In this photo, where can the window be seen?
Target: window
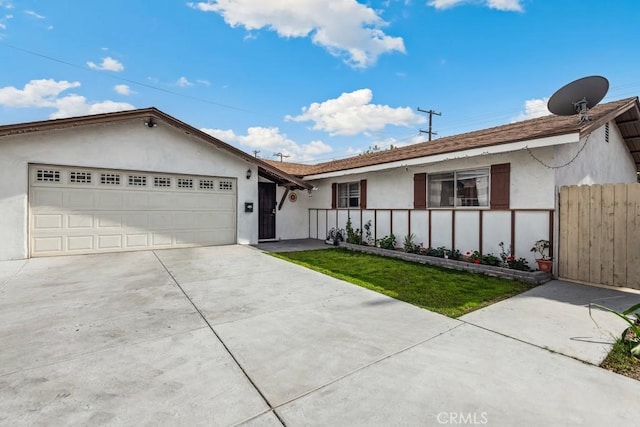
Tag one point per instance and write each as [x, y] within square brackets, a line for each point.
[161, 181]
[48, 175]
[225, 185]
[137, 180]
[110, 179]
[207, 184]
[349, 195]
[459, 189]
[185, 183]
[80, 177]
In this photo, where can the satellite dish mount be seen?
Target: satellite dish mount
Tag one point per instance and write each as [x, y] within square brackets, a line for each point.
[578, 97]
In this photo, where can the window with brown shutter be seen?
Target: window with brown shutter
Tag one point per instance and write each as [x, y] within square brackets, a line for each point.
[363, 194]
[420, 191]
[334, 195]
[500, 186]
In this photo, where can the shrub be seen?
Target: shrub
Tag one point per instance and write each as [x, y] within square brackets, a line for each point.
[519, 264]
[491, 259]
[409, 245]
[388, 242]
[353, 236]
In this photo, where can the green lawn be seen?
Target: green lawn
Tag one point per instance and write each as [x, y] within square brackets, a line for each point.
[452, 293]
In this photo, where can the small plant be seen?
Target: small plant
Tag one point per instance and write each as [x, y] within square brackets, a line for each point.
[353, 236]
[541, 247]
[519, 264]
[491, 259]
[388, 242]
[475, 257]
[631, 335]
[409, 245]
[455, 255]
[505, 255]
[368, 240]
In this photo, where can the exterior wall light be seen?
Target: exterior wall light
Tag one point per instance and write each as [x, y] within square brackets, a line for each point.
[248, 173]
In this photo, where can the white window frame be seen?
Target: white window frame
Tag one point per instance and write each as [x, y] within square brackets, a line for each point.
[457, 200]
[348, 191]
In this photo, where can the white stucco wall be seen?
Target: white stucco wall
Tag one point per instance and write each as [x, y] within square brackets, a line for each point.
[600, 162]
[292, 221]
[122, 145]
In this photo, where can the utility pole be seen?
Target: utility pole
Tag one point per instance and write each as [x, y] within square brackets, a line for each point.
[280, 155]
[255, 153]
[430, 113]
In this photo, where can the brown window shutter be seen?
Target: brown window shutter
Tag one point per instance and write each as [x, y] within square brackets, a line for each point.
[363, 194]
[334, 195]
[500, 185]
[420, 191]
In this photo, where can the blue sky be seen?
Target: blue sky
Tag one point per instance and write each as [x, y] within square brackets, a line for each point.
[314, 79]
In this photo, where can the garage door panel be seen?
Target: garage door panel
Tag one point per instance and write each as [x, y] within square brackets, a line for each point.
[79, 199]
[80, 243]
[48, 198]
[109, 200]
[113, 241]
[84, 210]
[46, 244]
[137, 240]
[76, 221]
[47, 221]
[109, 220]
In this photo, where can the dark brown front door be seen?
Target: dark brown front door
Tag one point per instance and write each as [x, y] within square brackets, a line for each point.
[267, 210]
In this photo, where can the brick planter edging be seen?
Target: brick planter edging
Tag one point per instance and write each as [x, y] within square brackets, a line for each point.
[534, 277]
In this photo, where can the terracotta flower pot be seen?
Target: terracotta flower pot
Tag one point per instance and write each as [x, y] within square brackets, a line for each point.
[545, 265]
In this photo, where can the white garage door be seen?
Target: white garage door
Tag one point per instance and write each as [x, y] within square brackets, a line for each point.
[80, 210]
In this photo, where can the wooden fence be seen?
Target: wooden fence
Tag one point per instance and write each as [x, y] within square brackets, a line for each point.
[599, 238]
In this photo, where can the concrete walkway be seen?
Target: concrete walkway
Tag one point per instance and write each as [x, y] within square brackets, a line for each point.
[230, 336]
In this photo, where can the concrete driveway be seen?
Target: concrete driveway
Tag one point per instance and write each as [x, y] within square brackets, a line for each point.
[230, 335]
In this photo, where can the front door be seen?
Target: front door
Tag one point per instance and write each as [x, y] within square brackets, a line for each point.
[267, 210]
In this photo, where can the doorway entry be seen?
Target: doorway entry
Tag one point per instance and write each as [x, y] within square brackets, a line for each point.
[266, 210]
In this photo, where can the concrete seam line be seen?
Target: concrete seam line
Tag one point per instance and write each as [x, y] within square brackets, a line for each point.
[13, 276]
[375, 362]
[528, 343]
[227, 349]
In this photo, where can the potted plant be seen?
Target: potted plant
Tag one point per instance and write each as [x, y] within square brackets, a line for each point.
[541, 247]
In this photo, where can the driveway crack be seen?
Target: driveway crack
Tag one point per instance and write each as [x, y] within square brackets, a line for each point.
[227, 349]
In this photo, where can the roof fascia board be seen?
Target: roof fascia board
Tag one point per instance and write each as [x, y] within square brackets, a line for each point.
[609, 117]
[481, 151]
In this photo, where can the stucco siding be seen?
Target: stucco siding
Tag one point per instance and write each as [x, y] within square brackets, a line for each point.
[123, 145]
[600, 162]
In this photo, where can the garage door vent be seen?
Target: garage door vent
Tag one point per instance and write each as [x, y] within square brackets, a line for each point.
[80, 177]
[137, 180]
[226, 185]
[48, 175]
[159, 181]
[110, 178]
[207, 184]
[185, 183]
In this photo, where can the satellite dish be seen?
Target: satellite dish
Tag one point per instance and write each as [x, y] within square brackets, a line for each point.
[578, 97]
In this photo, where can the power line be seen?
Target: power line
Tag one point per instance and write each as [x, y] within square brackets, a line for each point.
[431, 113]
[122, 79]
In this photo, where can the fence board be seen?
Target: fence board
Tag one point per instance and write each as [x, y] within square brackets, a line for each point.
[584, 196]
[572, 229]
[563, 224]
[620, 236]
[606, 248]
[633, 236]
[595, 236]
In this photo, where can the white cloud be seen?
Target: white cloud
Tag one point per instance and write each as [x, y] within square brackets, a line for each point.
[108, 64]
[269, 140]
[122, 89]
[345, 28]
[33, 14]
[36, 93]
[45, 93]
[204, 82]
[353, 113]
[533, 108]
[505, 5]
[76, 105]
[183, 82]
